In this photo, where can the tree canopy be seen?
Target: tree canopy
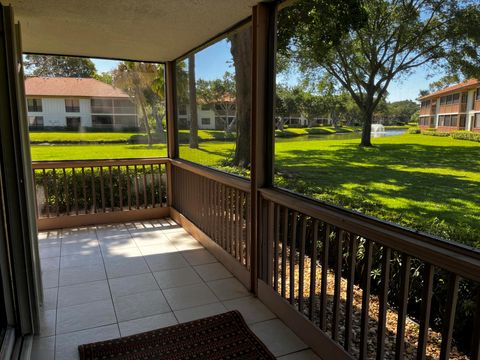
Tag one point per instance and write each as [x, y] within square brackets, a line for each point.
[60, 66]
[386, 40]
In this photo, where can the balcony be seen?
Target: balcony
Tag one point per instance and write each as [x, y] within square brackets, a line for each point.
[103, 282]
[200, 262]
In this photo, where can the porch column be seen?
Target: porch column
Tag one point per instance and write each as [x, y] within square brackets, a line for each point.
[262, 140]
[172, 144]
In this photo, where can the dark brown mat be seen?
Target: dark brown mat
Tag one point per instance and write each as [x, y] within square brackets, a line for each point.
[224, 336]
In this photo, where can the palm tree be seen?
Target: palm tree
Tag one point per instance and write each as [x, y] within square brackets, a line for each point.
[192, 92]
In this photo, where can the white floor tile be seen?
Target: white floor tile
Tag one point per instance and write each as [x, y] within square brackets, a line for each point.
[140, 305]
[50, 279]
[48, 264]
[81, 260]
[177, 277]
[126, 267]
[119, 253]
[86, 248]
[43, 348]
[227, 289]
[199, 312]
[166, 261]
[47, 322]
[147, 324]
[163, 248]
[49, 251]
[83, 293]
[50, 299]
[213, 271]
[81, 274]
[85, 316]
[189, 296]
[198, 257]
[133, 284]
[252, 309]
[67, 344]
[279, 339]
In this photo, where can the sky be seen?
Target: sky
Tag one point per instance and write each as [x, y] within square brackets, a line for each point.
[212, 62]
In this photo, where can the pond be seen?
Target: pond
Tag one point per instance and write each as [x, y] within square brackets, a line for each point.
[342, 136]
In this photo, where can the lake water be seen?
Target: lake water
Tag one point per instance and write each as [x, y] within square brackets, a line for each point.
[342, 136]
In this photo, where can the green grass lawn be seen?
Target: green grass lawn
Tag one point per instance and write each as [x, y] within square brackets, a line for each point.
[48, 136]
[425, 182]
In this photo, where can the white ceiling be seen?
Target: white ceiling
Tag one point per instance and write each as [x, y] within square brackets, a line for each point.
[149, 30]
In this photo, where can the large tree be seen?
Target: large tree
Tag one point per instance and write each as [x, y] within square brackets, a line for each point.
[387, 40]
[241, 46]
[192, 98]
[60, 66]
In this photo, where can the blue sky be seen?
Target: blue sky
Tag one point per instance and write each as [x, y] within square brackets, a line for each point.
[213, 61]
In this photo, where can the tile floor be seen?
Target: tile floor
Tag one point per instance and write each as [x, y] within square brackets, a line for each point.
[116, 280]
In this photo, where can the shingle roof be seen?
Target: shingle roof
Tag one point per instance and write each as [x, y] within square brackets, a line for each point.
[71, 87]
[466, 85]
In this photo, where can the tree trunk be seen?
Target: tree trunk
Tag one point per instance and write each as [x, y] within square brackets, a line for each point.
[367, 116]
[158, 122]
[145, 123]
[192, 97]
[241, 45]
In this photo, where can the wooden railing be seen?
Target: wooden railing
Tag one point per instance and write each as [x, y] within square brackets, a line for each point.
[218, 204]
[82, 192]
[338, 269]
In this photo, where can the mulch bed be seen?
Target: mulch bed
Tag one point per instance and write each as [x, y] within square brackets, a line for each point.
[224, 336]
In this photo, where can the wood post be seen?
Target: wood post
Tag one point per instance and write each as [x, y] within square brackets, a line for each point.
[263, 83]
[172, 143]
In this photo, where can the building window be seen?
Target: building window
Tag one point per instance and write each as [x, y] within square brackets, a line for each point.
[102, 121]
[182, 109]
[453, 120]
[102, 106]
[205, 107]
[464, 98]
[73, 123]
[205, 121]
[443, 100]
[478, 94]
[476, 123]
[449, 99]
[463, 121]
[455, 98]
[72, 105]
[34, 105]
[441, 120]
[124, 106]
[35, 122]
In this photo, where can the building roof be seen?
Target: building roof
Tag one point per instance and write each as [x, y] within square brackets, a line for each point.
[149, 30]
[70, 87]
[465, 85]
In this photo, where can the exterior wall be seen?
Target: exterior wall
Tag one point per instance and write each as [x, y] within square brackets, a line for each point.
[54, 112]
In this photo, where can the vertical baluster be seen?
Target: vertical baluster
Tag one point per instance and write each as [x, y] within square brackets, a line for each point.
[293, 253]
[284, 252]
[145, 198]
[475, 353]
[65, 190]
[94, 194]
[129, 188]
[137, 192]
[340, 234]
[238, 224]
[402, 309]
[160, 185]
[324, 278]
[313, 270]
[84, 186]
[102, 189]
[350, 282]
[35, 191]
[45, 187]
[425, 312]
[152, 187]
[120, 192]
[248, 223]
[227, 216]
[215, 217]
[301, 266]
[243, 211]
[75, 197]
[365, 318]
[55, 190]
[447, 332]
[112, 205]
[270, 241]
[383, 300]
[276, 242]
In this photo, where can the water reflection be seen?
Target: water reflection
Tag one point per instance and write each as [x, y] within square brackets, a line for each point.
[342, 136]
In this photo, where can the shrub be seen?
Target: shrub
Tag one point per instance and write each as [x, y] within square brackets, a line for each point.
[466, 135]
[434, 132]
[414, 130]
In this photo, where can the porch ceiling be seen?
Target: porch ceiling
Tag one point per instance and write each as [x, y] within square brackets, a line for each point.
[150, 30]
